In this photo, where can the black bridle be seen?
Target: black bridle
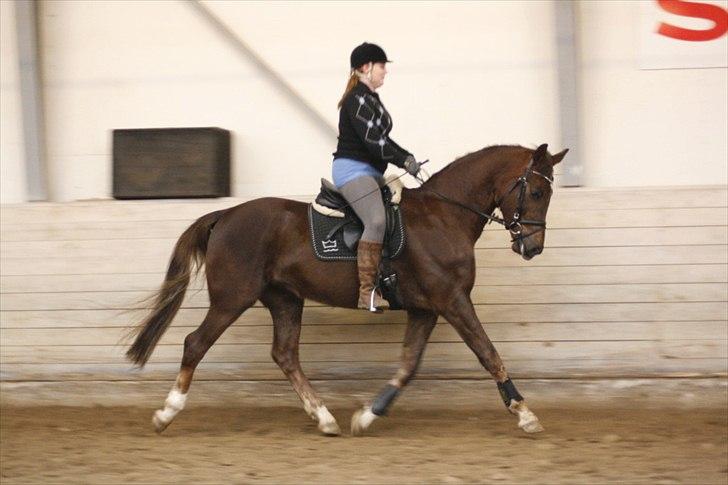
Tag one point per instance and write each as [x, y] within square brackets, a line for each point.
[515, 225]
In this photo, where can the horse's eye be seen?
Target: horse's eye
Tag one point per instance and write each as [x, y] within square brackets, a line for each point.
[536, 194]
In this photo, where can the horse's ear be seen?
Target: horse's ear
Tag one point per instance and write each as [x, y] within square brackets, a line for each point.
[559, 156]
[540, 152]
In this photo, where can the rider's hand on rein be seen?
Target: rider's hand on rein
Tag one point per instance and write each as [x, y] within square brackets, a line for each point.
[412, 166]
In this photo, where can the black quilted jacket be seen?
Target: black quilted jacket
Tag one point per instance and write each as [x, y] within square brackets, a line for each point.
[364, 126]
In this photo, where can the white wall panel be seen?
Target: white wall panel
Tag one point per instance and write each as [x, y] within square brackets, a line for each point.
[466, 75]
[12, 151]
[646, 127]
[483, 77]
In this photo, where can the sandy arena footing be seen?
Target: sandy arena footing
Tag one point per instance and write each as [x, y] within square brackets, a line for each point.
[439, 432]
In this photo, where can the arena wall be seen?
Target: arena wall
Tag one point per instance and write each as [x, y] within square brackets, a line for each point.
[465, 75]
[632, 283]
[634, 278]
[646, 126]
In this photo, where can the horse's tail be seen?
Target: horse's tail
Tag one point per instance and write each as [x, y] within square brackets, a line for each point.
[191, 245]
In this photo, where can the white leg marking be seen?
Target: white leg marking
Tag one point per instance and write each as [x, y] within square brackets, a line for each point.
[174, 403]
[527, 421]
[326, 422]
[310, 410]
[361, 420]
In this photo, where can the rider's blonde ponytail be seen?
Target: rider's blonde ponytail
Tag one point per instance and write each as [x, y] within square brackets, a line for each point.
[353, 81]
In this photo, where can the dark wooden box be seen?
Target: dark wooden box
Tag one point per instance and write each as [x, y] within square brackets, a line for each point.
[171, 163]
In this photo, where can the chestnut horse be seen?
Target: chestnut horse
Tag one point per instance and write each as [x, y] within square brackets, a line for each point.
[261, 250]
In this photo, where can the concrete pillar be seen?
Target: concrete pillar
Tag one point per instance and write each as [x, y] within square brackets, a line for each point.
[26, 18]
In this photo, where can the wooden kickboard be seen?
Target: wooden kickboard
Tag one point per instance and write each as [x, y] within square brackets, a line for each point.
[632, 282]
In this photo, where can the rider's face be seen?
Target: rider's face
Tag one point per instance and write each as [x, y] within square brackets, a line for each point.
[378, 72]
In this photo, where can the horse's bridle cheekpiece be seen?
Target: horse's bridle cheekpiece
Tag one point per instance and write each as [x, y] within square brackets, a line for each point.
[515, 227]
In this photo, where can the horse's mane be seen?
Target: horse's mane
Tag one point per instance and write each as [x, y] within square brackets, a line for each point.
[468, 158]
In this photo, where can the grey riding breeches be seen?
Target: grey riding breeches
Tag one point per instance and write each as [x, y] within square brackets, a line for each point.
[365, 198]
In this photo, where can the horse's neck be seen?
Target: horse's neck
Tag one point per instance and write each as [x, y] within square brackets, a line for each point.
[471, 183]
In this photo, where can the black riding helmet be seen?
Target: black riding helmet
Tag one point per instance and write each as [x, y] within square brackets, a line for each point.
[366, 53]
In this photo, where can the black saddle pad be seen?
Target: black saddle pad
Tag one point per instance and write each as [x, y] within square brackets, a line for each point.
[335, 248]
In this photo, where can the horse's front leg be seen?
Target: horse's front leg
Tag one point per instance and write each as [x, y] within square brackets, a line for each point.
[419, 328]
[461, 315]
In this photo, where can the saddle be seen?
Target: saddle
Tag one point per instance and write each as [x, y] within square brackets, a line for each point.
[336, 231]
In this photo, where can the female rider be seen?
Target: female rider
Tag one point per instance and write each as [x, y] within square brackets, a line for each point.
[363, 151]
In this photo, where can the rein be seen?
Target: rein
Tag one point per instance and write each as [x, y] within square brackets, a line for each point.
[515, 226]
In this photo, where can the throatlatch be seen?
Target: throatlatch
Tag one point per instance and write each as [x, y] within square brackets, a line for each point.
[508, 392]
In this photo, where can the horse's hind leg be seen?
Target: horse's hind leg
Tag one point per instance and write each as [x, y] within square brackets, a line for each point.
[196, 345]
[286, 310]
[419, 328]
[461, 315]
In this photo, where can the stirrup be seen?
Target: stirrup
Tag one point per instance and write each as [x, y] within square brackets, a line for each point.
[372, 308]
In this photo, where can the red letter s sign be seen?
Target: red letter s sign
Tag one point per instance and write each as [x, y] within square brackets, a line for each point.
[706, 11]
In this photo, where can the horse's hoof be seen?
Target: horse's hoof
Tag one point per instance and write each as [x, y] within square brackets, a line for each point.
[533, 426]
[158, 423]
[361, 420]
[330, 428]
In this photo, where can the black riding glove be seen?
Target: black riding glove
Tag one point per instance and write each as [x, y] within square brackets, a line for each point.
[412, 166]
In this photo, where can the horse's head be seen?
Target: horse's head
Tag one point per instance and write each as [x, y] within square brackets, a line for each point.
[524, 199]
